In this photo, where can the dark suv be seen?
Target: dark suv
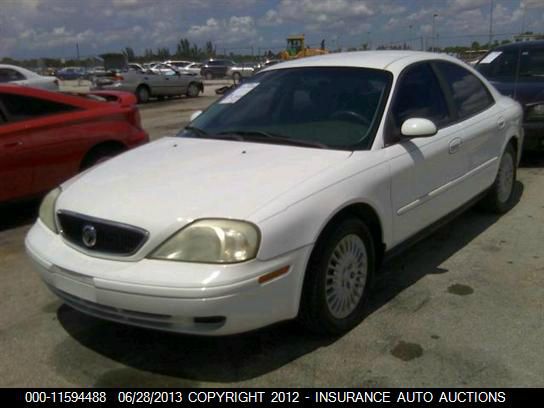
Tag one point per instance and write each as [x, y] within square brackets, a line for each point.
[216, 68]
[517, 70]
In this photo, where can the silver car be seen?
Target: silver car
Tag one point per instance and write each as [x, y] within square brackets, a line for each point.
[21, 76]
[242, 70]
[149, 84]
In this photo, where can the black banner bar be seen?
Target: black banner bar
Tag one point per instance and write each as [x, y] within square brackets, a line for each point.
[306, 396]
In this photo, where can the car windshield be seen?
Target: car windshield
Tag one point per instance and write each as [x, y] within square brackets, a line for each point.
[499, 65]
[331, 107]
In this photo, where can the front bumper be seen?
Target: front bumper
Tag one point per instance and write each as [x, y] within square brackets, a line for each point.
[166, 295]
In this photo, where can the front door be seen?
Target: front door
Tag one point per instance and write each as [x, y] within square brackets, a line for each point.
[422, 169]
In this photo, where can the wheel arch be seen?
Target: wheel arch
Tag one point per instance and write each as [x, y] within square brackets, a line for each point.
[104, 146]
[366, 213]
[143, 85]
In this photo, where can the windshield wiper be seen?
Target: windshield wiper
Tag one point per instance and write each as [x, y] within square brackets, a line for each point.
[272, 137]
[196, 130]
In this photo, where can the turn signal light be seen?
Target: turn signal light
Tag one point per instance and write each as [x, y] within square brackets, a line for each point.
[273, 275]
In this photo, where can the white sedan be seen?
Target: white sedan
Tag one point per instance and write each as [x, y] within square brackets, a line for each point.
[21, 76]
[281, 199]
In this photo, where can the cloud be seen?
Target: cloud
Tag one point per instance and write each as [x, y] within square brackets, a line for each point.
[464, 5]
[271, 18]
[225, 31]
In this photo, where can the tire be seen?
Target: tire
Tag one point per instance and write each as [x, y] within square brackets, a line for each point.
[98, 155]
[343, 249]
[208, 76]
[193, 90]
[143, 94]
[501, 197]
[236, 76]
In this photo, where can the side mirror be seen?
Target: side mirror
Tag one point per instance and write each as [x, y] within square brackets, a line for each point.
[418, 127]
[195, 115]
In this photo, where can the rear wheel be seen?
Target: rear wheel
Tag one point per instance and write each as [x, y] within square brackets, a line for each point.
[208, 76]
[236, 76]
[337, 278]
[193, 90]
[143, 94]
[500, 197]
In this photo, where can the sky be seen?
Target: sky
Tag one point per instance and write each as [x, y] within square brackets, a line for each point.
[51, 28]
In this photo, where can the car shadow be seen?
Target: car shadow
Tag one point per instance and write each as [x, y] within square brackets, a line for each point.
[18, 214]
[190, 360]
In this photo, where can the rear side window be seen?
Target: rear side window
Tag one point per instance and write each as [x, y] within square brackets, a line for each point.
[532, 64]
[20, 107]
[469, 94]
[9, 75]
[419, 96]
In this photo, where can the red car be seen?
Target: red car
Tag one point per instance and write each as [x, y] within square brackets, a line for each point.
[47, 137]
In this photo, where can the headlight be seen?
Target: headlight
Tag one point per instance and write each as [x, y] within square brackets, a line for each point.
[212, 241]
[47, 209]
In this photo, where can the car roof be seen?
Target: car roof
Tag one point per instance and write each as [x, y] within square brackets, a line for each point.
[393, 61]
[516, 45]
[17, 68]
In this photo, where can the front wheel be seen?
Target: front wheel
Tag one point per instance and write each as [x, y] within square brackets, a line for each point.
[193, 90]
[143, 94]
[500, 197]
[337, 278]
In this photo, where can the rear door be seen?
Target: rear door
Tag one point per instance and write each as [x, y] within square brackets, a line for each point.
[530, 87]
[422, 169]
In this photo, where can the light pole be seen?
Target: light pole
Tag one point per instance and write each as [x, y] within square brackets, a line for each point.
[490, 23]
[434, 31]
[369, 42]
[410, 37]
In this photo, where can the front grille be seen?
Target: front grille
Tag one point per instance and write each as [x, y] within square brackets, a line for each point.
[110, 237]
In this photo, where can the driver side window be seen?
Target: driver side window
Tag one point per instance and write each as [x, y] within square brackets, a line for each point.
[418, 95]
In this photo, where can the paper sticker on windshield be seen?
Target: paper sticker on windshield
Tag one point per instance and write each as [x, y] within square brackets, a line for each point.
[239, 92]
[490, 57]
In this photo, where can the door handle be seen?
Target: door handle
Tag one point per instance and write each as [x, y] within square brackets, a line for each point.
[455, 144]
[501, 122]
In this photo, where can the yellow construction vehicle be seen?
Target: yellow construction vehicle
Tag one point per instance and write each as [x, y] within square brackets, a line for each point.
[297, 49]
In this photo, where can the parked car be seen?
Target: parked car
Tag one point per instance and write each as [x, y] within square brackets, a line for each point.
[216, 68]
[242, 70]
[150, 84]
[47, 137]
[21, 76]
[162, 68]
[179, 65]
[281, 199]
[136, 67]
[92, 72]
[193, 68]
[71, 73]
[517, 70]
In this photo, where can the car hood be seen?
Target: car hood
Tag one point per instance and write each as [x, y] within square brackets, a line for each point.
[167, 184]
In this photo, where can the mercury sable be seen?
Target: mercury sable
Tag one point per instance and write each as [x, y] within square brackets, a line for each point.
[281, 199]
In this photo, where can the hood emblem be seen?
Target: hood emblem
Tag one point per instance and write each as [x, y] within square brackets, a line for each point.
[88, 236]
